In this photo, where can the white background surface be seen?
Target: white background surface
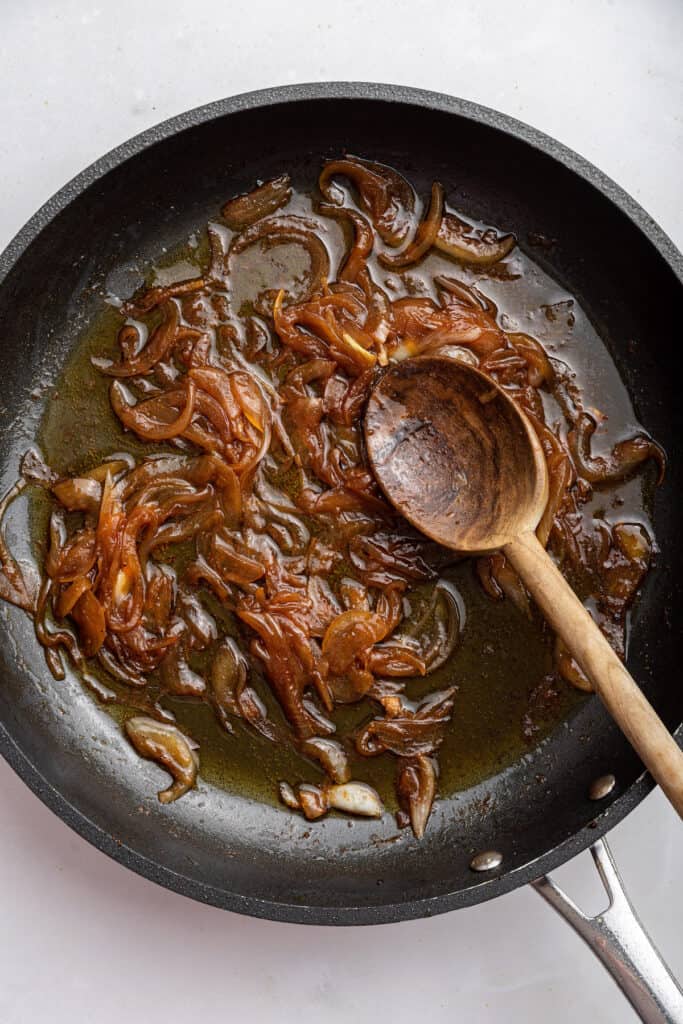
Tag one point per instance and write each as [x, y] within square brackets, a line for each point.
[82, 937]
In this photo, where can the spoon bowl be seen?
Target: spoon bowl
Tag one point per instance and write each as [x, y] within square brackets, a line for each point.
[455, 454]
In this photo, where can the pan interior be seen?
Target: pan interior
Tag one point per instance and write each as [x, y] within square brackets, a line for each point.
[229, 848]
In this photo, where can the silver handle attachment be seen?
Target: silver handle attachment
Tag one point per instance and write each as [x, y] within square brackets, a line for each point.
[618, 938]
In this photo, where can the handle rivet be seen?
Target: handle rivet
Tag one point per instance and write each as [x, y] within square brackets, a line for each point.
[487, 860]
[602, 787]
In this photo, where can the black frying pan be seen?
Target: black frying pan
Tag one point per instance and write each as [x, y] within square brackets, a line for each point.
[149, 193]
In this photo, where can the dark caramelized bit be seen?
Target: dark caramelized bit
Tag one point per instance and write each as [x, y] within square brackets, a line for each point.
[246, 550]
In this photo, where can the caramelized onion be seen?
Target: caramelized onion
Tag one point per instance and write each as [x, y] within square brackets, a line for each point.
[71, 594]
[560, 478]
[34, 470]
[50, 639]
[78, 494]
[425, 236]
[625, 457]
[569, 669]
[468, 245]
[312, 801]
[137, 418]
[467, 293]
[16, 586]
[363, 240]
[228, 677]
[160, 344]
[75, 558]
[348, 635]
[408, 731]
[416, 791]
[167, 745]
[434, 627]
[385, 194]
[396, 660]
[244, 210]
[156, 296]
[285, 661]
[331, 756]
[88, 614]
[355, 798]
[178, 678]
[289, 230]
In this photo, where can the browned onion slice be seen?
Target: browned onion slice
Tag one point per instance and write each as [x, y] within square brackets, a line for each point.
[244, 210]
[425, 235]
[469, 245]
[283, 230]
[160, 344]
[416, 789]
[625, 457]
[136, 417]
[384, 193]
[363, 240]
[171, 748]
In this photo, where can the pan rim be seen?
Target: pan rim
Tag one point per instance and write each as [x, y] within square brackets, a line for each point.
[10, 750]
[305, 92]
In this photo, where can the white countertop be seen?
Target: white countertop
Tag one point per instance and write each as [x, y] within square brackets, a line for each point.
[86, 939]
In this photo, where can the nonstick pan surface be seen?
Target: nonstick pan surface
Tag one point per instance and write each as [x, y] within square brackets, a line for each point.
[151, 192]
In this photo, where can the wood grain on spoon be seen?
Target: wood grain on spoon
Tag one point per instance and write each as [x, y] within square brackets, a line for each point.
[458, 458]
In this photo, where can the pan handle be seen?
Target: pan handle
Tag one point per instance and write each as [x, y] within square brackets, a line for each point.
[618, 938]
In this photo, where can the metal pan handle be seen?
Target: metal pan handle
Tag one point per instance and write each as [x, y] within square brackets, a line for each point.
[618, 938]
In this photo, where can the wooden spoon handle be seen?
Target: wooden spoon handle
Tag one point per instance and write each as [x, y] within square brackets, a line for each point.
[618, 690]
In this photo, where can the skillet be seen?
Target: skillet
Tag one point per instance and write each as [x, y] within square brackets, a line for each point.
[223, 848]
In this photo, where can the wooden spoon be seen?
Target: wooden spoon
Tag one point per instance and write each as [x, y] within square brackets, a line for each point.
[462, 463]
